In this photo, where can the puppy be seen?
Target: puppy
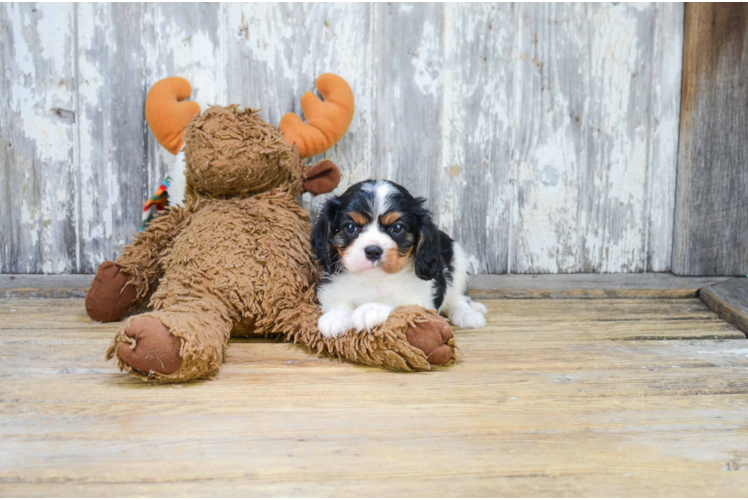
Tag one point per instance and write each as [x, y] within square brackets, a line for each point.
[378, 249]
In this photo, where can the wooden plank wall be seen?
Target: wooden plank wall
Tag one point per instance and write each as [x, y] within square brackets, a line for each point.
[544, 135]
[711, 229]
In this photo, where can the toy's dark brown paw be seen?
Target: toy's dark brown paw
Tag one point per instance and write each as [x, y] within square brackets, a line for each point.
[109, 296]
[433, 337]
[155, 348]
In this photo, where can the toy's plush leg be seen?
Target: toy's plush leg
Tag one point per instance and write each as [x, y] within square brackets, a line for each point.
[111, 294]
[128, 282]
[185, 341]
[412, 338]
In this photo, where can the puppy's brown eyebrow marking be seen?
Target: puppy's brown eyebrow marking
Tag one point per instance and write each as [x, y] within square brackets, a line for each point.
[390, 218]
[359, 218]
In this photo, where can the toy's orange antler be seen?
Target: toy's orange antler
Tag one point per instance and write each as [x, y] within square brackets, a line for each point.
[326, 122]
[166, 115]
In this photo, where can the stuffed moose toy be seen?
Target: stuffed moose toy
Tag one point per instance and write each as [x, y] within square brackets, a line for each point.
[235, 259]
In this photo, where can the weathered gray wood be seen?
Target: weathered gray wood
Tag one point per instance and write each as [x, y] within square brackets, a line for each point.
[664, 113]
[473, 106]
[588, 134]
[407, 48]
[729, 299]
[589, 117]
[32, 286]
[473, 191]
[711, 216]
[112, 157]
[587, 286]
[550, 141]
[614, 183]
[37, 136]
[264, 45]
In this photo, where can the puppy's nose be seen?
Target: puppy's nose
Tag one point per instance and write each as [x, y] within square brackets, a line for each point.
[373, 253]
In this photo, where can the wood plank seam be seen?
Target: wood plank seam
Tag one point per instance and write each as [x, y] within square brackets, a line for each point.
[729, 300]
[572, 286]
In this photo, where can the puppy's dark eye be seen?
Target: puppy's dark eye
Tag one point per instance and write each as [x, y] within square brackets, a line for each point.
[350, 228]
[397, 228]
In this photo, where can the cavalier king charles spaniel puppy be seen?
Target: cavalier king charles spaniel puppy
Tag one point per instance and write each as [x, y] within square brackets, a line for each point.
[378, 249]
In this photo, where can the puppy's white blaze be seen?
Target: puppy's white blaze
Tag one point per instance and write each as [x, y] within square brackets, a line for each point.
[354, 257]
[382, 192]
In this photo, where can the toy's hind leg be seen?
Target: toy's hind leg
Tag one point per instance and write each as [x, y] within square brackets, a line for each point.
[185, 341]
[412, 338]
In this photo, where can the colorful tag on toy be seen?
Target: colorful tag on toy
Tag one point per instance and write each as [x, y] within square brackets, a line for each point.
[156, 203]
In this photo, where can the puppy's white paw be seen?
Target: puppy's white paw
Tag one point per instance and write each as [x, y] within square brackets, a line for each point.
[477, 306]
[464, 316]
[335, 322]
[369, 315]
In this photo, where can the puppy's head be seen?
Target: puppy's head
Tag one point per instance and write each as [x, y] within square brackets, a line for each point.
[376, 227]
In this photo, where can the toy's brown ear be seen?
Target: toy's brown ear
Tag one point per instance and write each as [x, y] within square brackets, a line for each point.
[322, 178]
[166, 115]
[326, 122]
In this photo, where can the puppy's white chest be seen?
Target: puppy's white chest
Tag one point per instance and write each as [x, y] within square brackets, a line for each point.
[400, 289]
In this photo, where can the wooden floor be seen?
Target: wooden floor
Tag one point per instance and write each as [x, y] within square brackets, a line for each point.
[553, 398]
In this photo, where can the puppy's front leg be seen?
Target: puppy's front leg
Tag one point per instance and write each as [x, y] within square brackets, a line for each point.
[367, 316]
[336, 321]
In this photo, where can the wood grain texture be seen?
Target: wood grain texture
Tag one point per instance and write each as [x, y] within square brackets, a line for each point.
[711, 226]
[550, 143]
[37, 134]
[614, 181]
[729, 299]
[586, 286]
[473, 188]
[544, 135]
[112, 153]
[407, 46]
[579, 320]
[44, 286]
[585, 106]
[664, 122]
[545, 401]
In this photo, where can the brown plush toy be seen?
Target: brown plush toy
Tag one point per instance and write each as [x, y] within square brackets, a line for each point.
[236, 260]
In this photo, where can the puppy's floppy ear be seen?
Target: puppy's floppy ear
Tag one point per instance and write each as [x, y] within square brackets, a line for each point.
[428, 254]
[322, 232]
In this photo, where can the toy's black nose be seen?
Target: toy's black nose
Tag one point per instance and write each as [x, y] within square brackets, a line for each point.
[373, 253]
